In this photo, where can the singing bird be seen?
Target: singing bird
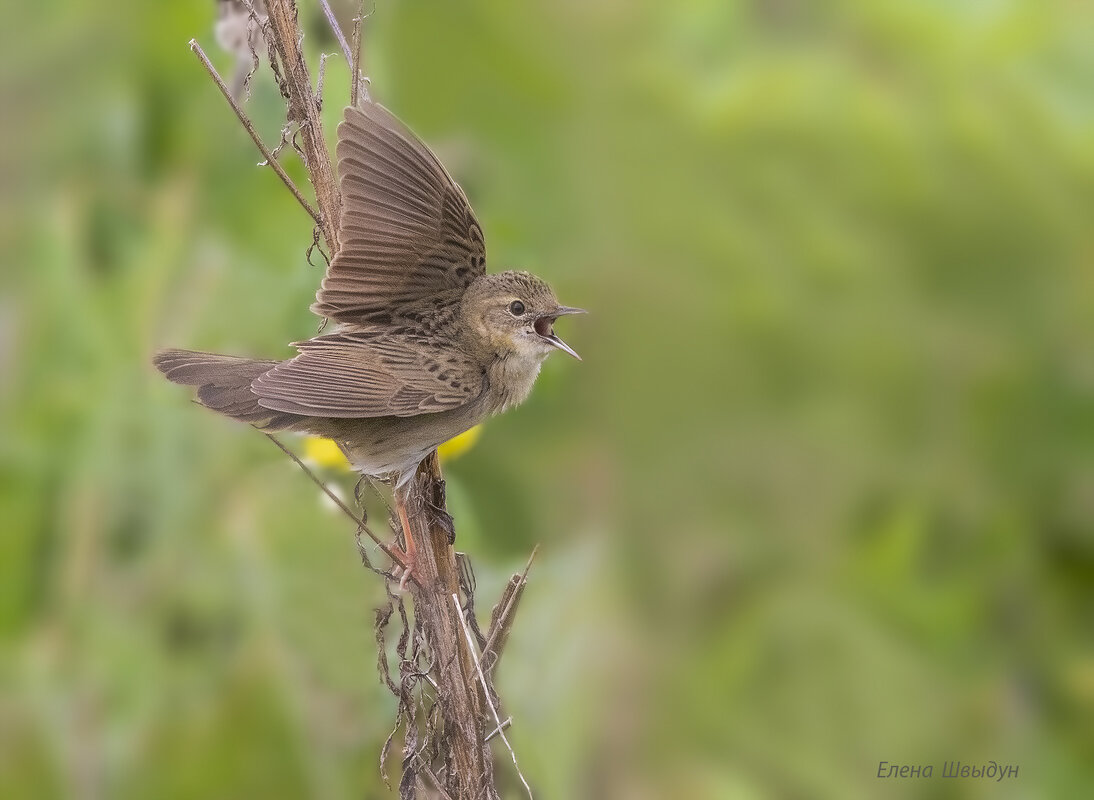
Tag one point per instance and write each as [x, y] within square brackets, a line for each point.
[426, 343]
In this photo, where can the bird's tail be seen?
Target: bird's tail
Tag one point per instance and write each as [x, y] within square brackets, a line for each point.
[224, 384]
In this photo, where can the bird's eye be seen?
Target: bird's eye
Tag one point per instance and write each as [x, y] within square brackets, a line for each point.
[516, 308]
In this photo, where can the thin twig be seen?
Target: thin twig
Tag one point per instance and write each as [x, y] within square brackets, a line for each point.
[357, 81]
[423, 769]
[486, 691]
[286, 130]
[291, 69]
[500, 629]
[338, 502]
[319, 80]
[334, 26]
[505, 723]
[246, 122]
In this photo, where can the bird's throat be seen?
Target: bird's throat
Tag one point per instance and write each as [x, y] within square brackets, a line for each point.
[512, 377]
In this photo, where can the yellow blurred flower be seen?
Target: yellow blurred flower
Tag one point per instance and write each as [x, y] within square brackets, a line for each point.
[458, 445]
[325, 453]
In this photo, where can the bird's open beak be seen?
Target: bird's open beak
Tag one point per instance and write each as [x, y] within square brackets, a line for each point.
[543, 326]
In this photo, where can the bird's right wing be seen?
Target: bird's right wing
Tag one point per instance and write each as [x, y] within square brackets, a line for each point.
[407, 231]
[370, 374]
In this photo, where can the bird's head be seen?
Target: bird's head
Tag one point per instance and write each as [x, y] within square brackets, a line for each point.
[514, 313]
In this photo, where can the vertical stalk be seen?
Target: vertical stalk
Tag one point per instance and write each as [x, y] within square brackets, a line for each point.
[295, 83]
[458, 762]
[465, 718]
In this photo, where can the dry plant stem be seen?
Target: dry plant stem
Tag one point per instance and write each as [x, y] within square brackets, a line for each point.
[319, 81]
[246, 123]
[471, 773]
[486, 694]
[334, 26]
[355, 87]
[505, 723]
[505, 612]
[338, 501]
[436, 784]
[295, 82]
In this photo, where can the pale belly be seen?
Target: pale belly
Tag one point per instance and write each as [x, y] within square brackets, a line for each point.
[384, 446]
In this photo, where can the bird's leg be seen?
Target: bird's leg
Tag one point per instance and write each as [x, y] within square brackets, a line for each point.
[411, 551]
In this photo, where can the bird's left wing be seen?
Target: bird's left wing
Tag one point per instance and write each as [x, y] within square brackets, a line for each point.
[407, 232]
[370, 374]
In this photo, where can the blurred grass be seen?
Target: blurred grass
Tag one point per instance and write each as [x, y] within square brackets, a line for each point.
[820, 495]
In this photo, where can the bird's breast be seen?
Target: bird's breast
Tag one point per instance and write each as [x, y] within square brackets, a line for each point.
[511, 380]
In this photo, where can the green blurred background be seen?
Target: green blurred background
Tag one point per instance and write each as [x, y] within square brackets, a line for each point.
[820, 495]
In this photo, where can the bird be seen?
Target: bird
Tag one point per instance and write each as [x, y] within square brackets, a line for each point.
[425, 343]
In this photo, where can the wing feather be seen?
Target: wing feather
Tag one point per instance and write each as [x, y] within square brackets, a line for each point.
[407, 231]
[375, 374]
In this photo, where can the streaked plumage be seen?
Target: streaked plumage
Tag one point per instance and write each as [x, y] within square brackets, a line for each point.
[427, 344]
[408, 233]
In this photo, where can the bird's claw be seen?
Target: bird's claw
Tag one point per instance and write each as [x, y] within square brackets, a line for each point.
[404, 568]
[408, 571]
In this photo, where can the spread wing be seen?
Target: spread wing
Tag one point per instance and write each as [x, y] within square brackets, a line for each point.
[369, 374]
[407, 231]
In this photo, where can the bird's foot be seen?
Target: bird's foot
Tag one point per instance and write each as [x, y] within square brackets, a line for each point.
[408, 556]
[404, 567]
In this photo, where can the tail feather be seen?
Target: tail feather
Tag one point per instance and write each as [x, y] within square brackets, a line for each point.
[224, 384]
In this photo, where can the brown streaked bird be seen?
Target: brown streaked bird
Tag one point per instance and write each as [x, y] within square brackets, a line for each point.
[427, 345]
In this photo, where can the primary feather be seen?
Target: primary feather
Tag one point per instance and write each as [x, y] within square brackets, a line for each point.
[407, 231]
